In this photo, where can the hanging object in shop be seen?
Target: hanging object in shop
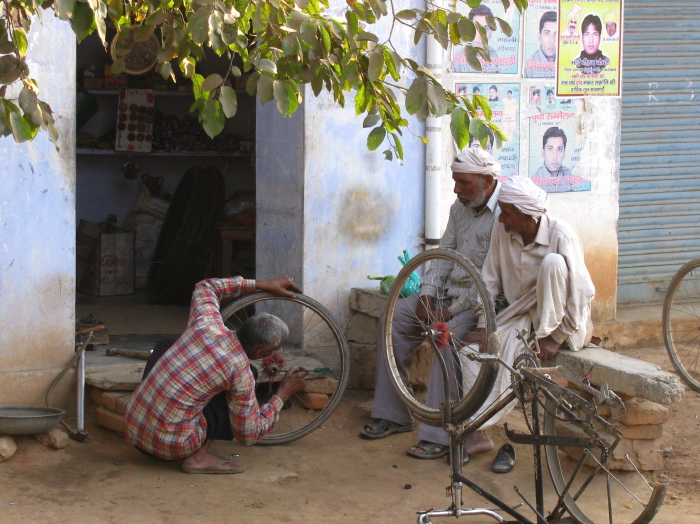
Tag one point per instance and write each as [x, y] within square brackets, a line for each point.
[135, 120]
[140, 57]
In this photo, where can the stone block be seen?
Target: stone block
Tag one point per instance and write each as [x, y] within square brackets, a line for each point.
[368, 300]
[648, 453]
[311, 400]
[363, 362]
[326, 386]
[115, 400]
[639, 411]
[623, 374]
[642, 432]
[8, 447]
[123, 380]
[109, 419]
[362, 329]
[54, 439]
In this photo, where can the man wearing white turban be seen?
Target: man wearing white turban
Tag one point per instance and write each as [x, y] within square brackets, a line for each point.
[536, 261]
[448, 293]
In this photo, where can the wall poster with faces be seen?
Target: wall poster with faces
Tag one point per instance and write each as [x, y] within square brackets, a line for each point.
[502, 49]
[590, 44]
[554, 142]
[541, 30]
[504, 101]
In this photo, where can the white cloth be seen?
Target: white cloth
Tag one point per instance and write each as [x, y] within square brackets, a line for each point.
[524, 195]
[475, 161]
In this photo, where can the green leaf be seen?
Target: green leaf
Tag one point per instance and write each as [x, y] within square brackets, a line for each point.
[64, 8]
[212, 82]
[361, 99]
[156, 18]
[20, 39]
[144, 32]
[417, 95]
[212, 117]
[370, 120]
[8, 63]
[406, 14]
[6, 46]
[229, 101]
[472, 59]
[399, 147]
[27, 100]
[267, 65]
[483, 103]
[505, 27]
[437, 99]
[375, 138]
[286, 98]
[308, 32]
[22, 130]
[453, 17]
[473, 3]
[265, 89]
[11, 77]
[376, 64]
[290, 45]
[83, 21]
[251, 86]
[364, 36]
[166, 71]
[459, 126]
[199, 24]
[317, 84]
[187, 65]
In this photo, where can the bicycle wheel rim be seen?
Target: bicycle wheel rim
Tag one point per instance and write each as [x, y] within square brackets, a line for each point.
[315, 341]
[412, 392]
[681, 323]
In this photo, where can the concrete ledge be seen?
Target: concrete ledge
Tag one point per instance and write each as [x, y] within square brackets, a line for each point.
[623, 374]
[368, 300]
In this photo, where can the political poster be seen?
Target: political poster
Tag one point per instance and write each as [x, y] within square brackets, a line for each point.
[554, 143]
[502, 49]
[541, 42]
[590, 45]
[504, 101]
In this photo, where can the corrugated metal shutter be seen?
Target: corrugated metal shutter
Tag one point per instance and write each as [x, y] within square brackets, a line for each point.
[659, 228]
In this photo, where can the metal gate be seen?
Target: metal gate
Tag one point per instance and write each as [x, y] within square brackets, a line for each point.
[659, 226]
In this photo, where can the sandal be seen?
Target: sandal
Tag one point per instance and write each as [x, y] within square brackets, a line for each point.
[431, 450]
[214, 468]
[381, 428]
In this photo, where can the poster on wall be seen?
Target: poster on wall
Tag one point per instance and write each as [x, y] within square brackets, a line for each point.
[590, 44]
[541, 30]
[504, 101]
[554, 142]
[502, 49]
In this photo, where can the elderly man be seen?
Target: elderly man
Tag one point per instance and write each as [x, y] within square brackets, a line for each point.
[468, 231]
[202, 388]
[536, 261]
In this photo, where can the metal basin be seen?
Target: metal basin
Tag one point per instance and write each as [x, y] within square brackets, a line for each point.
[28, 420]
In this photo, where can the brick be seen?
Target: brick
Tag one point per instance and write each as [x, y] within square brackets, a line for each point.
[111, 400]
[362, 329]
[54, 439]
[641, 411]
[363, 362]
[121, 402]
[312, 400]
[617, 460]
[326, 386]
[109, 419]
[368, 300]
[8, 447]
[642, 432]
[648, 454]
[96, 395]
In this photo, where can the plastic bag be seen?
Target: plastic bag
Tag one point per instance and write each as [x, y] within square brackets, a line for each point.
[385, 284]
[410, 287]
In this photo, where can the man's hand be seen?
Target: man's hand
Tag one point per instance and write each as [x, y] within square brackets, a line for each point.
[478, 336]
[548, 348]
[282, 286]
[292, 382]
[426, 313]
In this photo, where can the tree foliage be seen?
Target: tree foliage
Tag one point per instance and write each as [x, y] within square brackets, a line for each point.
[283, 44]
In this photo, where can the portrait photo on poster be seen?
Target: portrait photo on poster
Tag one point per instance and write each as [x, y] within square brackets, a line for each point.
[504, 101]
[554, 145]
[589, 48]
[503, 50]
[541, 40]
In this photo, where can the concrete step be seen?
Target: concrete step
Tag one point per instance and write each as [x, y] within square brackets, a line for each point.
[633, 327]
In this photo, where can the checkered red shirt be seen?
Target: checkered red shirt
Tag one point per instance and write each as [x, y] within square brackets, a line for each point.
[164, 414]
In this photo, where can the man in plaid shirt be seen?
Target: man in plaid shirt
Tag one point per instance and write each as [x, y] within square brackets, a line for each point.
[202, 389]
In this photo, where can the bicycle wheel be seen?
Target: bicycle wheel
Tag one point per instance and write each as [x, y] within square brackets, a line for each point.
[409, 353]
[315, 342]
[681, 322]
[591, 493]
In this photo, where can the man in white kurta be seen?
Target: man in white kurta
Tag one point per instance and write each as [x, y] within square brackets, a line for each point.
[537, 262]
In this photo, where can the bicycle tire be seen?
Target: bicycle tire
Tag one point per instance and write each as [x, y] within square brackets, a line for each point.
[315, 339]
[681, 323]
[467, 402]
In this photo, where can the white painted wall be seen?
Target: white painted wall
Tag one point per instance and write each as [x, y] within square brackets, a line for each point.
[37, 230]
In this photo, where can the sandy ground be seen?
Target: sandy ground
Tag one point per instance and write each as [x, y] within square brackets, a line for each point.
[330, 476]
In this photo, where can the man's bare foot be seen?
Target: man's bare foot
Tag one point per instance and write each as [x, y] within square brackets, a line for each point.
[478, 442]
[205, 461]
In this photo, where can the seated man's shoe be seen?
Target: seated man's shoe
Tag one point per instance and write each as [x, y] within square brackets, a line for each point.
[381, 428]
[505, 459]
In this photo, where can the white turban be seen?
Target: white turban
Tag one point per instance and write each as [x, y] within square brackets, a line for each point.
[524, 195]
[476, 161]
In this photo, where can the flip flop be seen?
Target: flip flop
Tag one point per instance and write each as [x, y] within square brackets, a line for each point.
[213, 469]
[505, 459]
[383, 428]
[432, 451]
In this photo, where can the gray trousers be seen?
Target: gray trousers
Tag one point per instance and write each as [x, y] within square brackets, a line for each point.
[406, 337]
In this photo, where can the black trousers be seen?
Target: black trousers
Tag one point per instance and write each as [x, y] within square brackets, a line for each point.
[215, 412]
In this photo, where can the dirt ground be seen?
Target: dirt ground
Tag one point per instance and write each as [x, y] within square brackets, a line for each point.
[330, 476]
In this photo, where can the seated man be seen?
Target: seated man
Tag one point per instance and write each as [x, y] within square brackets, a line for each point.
[468, 230]
[202, 389]
[536, 260]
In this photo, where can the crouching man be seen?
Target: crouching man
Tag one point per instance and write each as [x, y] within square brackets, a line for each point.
[202, 388]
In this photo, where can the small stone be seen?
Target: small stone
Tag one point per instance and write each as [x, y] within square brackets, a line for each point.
[667, 452]
[8, 447]
[54, 439]
[394, 466]
[663, 477]
[407, 486]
